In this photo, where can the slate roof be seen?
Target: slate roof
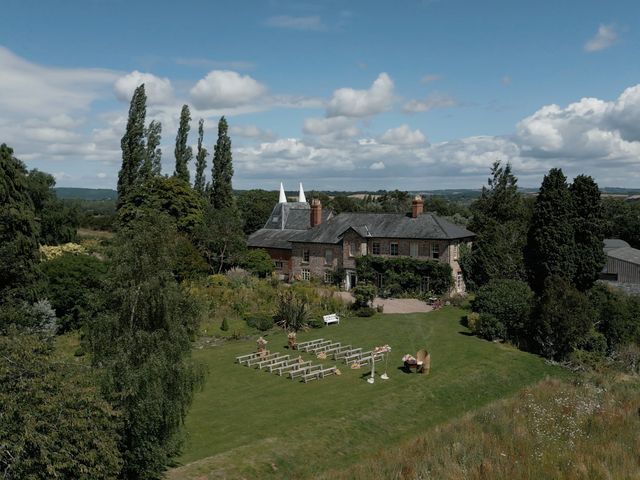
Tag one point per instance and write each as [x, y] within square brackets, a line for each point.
[383, 225]
[627, 254]
[271, 238]
[611, 243]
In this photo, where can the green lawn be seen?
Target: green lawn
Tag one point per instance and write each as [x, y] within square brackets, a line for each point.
[249, 423]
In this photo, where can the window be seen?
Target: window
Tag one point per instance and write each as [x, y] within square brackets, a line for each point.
[278, 264]
[393, 248]
[375, 249]
[328, 277]
[305, 256]
[378, 279]
[456, 251]
[352, 249]
[435, 250]
[306, 274]
[459, 282]
[363, 248]
[424, 249]
[413, 249]
[328, 256]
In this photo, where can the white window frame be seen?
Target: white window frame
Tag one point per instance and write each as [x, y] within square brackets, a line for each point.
[397, 245]
[306, 274]
[328, 276]
[352, 249]
[435, 250]
[306, 254]
[328, 251]
[278, 264]
[414, 249]
[376, 246]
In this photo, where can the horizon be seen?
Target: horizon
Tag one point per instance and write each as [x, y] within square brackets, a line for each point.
[352, 97]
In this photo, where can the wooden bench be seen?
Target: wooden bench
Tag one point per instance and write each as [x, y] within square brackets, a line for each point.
[344, 353]
[291, 366]
[304, 370]
[245, 358]
[331, 318]
[336, 349]
[323, 347]
[357, 356]
[270, 361]
[307, 343]
[253, 361]
[309, 348]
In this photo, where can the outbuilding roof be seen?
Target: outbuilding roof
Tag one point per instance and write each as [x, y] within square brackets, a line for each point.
[627, 254]
[383, 225]
[611, 243]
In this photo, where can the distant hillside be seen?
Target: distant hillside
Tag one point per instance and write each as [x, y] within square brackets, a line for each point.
[73, 193]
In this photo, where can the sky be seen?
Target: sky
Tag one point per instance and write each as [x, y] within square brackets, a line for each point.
[339, 95]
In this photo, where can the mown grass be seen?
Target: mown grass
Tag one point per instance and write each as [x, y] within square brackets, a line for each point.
[248, 423]
[584, 429]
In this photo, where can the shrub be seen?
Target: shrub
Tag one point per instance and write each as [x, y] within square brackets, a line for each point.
[365, 312]
[264, 323]
[489, 327]
[471, 321]
[616, 315]
[627, 358]
[292, 312]
[510, 301]
[258, 262]
[364, 294]
[380, 308]
[316, 323]
[238, 277]
[225, 325]
[218, 280]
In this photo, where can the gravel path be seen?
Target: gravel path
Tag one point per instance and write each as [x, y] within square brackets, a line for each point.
[394, 305]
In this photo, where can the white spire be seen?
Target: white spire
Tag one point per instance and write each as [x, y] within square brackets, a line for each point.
[283, 197]
[301, 197]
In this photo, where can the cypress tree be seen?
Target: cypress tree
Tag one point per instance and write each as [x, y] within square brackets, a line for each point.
[133, 145]
[588, 231]
[201, 161]
[183, 152]
[550, 246]
[222, 170]
[154, 152]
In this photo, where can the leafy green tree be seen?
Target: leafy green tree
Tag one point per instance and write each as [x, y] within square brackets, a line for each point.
[510, 302]
[201, 161]
[169, 195]
[395, 202]
[142, 346]
[343, 203]
[563, 320]
[622, 220]
[19, 273]
[550, 246]
[183, 151]
[222, 170]
[220, 238]
[153, 158]
[364, 294]
[54, 422]
[258, 262]
[189, 261]
[588, 231]
[74, 283]
[255, 206]
[617, 315]
[133, 146]
[499, 220]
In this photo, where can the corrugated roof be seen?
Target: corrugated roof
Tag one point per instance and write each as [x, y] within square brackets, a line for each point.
[611, 243]
[383, 225]
[628, 254]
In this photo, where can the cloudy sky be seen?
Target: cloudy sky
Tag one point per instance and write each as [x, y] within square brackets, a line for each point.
[361, 94]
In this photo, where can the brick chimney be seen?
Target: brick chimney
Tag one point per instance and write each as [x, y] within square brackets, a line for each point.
[416, 206]
[316, 212]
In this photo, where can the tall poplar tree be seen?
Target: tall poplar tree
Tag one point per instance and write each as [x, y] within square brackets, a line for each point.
[133, 145]
[183, 151]
[222, 169]
[550, 246]
[588, 226]
[154, 152]
[201, 161]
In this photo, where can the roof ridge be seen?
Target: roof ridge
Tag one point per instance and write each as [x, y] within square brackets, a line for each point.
[437, 222]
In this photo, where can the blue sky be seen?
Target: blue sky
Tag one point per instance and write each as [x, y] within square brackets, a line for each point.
[338, 95]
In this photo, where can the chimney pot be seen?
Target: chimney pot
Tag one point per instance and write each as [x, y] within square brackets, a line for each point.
[316, 212]
[417, 206]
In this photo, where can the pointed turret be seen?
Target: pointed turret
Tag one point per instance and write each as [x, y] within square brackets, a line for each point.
[283, 197]
[301, 197]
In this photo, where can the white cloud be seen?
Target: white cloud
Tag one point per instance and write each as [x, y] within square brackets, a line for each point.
[606, 37]
[251, 131]
[377, 166]
[430, 77]
[349, 102]
[324, 126]
[402, 135]
[432, 101]
[225, 88]
[159, 91]
[312, 22]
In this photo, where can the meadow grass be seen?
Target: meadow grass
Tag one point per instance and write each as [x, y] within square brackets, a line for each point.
[580, 429]
[247, 423]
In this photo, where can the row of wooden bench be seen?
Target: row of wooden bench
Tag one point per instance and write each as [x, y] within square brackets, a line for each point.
[284, 365]
[340, 352]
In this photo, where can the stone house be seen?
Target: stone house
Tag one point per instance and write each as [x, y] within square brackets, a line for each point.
[333, 242]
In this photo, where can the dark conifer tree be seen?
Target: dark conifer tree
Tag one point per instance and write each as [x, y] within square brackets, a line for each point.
[153, 160]
[183, 151]
[550, 246]
[201, 161]
[222, 169]
[588, 231]
[133, 145]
